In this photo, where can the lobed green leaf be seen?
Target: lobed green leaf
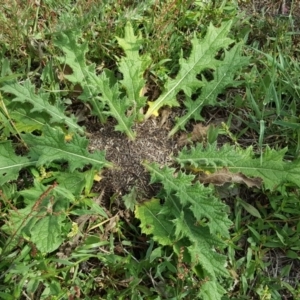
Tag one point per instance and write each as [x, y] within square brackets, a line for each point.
[81, 73]
[47, 233]
[117, 105]
[198, 198]
[270, 167]
[104, 91]
[10, 163]
[153, 222]
[133, 66]
[40, 103]
[201, 58]
[74, 55]
[51, 146]
[171, 223]
[223, 77]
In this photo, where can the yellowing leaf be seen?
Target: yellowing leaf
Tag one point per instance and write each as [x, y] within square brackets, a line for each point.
[97, 177]
[143, 91]
[69, 137]
[74, 230]
[154, 111]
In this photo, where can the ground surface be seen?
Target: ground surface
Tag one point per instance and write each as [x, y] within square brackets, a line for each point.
[151, 144]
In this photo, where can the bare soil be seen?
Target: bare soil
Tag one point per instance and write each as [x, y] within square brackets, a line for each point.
[151, 144]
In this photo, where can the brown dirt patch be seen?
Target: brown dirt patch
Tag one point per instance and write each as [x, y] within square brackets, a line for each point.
[151, 144]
